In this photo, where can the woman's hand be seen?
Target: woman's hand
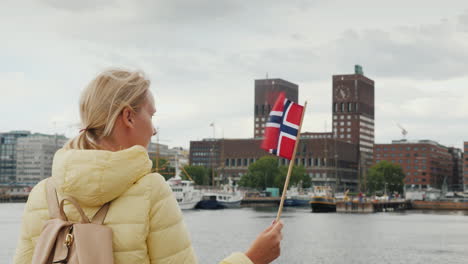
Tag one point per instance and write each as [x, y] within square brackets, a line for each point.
[266, 246]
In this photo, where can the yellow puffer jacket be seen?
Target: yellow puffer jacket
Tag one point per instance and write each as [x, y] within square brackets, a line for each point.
[146, 221]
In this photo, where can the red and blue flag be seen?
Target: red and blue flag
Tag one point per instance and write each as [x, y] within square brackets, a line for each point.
[282, 127]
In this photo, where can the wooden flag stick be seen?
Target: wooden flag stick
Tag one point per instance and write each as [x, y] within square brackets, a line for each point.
[291, 165]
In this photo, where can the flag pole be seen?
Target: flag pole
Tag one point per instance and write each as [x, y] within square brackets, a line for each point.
[291, 165]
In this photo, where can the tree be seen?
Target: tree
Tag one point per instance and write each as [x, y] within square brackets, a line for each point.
[164, 168]
[199, 174]
[266, 172]
[261, 174]
[298, 176]
[385, 175]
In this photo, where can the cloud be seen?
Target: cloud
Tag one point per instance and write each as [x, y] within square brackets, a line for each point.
[203, 56]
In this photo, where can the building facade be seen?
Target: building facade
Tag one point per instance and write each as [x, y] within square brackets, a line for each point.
[425, 163]
[8, 143]
[333, 158]
[354, 113]
[176, 156]
[35, 154]
[327, 161]
[457, 180]
[266, 93]
[465, 166]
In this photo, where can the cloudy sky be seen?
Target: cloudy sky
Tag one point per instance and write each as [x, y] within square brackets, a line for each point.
[203, 56]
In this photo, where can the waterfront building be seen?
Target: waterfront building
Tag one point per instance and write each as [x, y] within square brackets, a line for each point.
[426, 164]
[456, 181]
[8, 141]
[326, 160]
[177, 156]
[266, 93]
[34, 156]
[333, 158]
[354, 113]
[465, 166]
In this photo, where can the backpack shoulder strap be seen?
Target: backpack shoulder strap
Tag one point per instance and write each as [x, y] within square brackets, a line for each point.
[100, 215]
[52, 200]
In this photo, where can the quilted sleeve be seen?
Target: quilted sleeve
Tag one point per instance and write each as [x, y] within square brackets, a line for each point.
[31, 225]
[168, 239]
[237, 258]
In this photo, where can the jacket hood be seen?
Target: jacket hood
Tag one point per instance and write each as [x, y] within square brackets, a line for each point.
[95, 177]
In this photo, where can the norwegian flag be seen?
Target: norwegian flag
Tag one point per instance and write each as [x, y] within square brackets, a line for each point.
[282, 127]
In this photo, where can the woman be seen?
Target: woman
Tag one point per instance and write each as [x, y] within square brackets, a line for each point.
[108, 161]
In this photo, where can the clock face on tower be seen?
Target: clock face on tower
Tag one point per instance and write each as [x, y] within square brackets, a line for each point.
[342, 92]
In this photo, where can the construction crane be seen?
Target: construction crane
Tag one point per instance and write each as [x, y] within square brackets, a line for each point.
[404, 132]
[188, 176]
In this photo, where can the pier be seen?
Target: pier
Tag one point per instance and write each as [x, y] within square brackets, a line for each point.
[260, 201]
[371, 206]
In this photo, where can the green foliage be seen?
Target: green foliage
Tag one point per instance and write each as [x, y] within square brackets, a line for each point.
[164, 168]
[199, 174]
[261, 174]
[385, 175]
[266, 172]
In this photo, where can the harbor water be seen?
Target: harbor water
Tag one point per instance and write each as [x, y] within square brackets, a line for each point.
[417, 237]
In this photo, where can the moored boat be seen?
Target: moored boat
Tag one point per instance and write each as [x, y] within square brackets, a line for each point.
[186, 195]
[323, 200]
[296, 198]
[220, 200]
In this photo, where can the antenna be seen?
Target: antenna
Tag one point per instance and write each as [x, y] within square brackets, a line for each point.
[404, 132]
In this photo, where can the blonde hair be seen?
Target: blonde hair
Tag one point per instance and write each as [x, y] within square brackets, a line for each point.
[102, 102]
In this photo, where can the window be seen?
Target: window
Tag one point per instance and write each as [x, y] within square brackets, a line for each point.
[334, 117]
[342, 107]
[336, 107]
[350, 107]
[349, 123]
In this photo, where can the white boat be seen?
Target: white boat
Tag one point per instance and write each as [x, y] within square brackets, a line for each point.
[229, 197]
[184, 192]
[218, 200]
[294, 197]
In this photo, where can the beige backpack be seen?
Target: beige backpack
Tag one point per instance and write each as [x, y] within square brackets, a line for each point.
[61, 241]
